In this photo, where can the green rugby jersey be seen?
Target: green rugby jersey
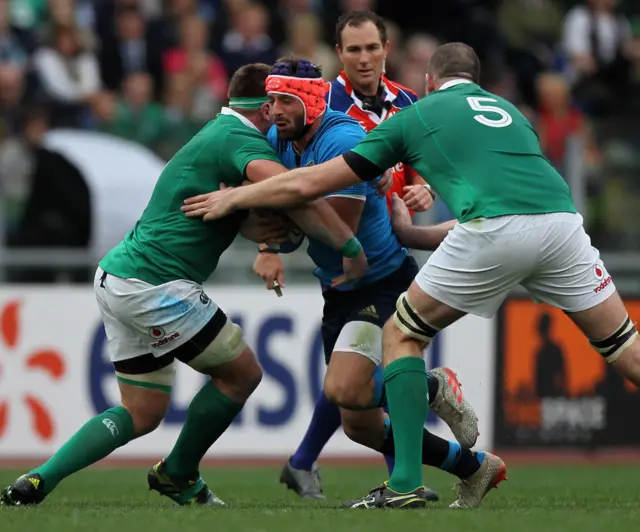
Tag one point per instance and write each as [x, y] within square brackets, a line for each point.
[479, 153]
[165, 245]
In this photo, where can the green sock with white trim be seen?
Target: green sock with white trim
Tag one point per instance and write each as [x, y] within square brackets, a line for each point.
[96, 439]
[210, 414]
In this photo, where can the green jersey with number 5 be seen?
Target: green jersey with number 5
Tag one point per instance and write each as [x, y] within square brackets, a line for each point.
[479, 153]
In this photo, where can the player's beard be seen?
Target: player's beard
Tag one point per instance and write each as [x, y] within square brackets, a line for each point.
[294, 133]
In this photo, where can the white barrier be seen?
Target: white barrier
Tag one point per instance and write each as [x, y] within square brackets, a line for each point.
[55, 374]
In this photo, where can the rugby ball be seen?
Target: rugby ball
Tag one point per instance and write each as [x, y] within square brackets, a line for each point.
[294, 240]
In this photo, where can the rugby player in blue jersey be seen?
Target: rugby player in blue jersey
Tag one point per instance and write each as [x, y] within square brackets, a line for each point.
[306, 133]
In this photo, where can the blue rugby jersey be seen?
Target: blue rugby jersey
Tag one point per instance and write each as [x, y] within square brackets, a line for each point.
[337, 134]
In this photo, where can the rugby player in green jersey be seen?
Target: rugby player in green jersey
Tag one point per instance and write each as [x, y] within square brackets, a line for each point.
[155, 311]
[517, 225]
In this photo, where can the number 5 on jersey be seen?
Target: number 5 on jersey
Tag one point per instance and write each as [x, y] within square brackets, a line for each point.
[476, 103]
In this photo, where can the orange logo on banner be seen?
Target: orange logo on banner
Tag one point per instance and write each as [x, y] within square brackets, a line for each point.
[547, 356]
[48, 361]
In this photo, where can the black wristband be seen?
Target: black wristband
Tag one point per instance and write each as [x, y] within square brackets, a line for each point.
[268, 250]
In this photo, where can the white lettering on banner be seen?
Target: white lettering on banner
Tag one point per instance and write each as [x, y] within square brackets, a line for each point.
[55, 372]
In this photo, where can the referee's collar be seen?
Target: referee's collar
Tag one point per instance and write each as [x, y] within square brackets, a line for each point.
[453, 83]
[243, 119]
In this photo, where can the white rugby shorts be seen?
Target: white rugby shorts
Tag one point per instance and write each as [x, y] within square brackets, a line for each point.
[140, 318]
[550, 255]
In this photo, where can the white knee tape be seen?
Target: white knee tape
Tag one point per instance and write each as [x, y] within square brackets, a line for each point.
[612, 347]
[410, 323]
[226, 346]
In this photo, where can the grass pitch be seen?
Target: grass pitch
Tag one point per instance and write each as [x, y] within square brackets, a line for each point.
[535, 498]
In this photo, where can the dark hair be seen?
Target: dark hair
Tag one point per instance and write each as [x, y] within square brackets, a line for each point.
[249, 80]
[455, 60]
[356, 19]
[297, 68]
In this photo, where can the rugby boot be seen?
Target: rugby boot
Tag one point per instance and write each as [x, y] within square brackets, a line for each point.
[27, 489]
[187, 492]
[472, 490]
[451, 406]
[383, 497]
[307, 484]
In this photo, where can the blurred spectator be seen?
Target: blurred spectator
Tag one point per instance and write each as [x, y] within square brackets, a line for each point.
[68, 74]
[78, 13]
[597, 41]
[58, 210]
[181, 121]
[419, 49]
[559, 122]
[104, 106]
[135, 116]
[230, 9]
[12, 52]
[14, 162]
[394, 55]
[531, 29]
[11, 92]
[192, 55]
[165, 30]
[503, 83]
[13, 68]
[247, 41]
[27, 16]
[634, 50]
[304, 42]
[164, 34]
[129, 53]
[284, 14]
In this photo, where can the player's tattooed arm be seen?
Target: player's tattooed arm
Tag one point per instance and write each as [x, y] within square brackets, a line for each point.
[417, 237]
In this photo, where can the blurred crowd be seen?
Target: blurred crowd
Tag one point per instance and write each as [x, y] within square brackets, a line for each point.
[155, 71]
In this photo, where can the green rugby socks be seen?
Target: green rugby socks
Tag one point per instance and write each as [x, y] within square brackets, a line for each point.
[210, 414]
[405, 381]
[97, 438]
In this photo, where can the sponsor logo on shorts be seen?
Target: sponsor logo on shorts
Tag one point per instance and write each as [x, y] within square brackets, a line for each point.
[603, 285]
[204, 298]
[598, 271]
[166, 340]
[156, 332]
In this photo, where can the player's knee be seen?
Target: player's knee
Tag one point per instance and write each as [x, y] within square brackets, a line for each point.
[348, 380]
[617, 344]
[343, 392]
[407, 324]
[238, 378]
[252, 372]
[231, 364]
[146, 395]
[147, 415]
